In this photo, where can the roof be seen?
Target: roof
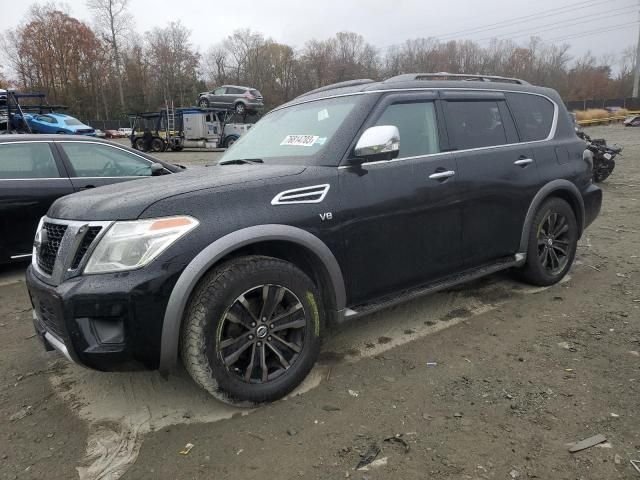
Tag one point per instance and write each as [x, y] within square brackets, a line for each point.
[425, 81]
[34, 137]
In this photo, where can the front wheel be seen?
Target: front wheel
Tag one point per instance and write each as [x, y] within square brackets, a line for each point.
[553, 241]
[203, 103]
[252, 330]
[230, 140]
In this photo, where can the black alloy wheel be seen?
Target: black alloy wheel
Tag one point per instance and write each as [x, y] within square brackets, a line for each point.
[554, 240]
[252, 330]
[262, 334]
[552, 243]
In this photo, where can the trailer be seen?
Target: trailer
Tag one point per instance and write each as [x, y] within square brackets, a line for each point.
[188, 127]
[13, 109]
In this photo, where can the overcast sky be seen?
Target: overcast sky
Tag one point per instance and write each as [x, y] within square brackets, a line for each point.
[382, 22]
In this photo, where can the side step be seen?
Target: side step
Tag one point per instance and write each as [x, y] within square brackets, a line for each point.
[448, 282]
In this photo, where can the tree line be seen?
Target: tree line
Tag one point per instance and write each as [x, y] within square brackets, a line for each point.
[107, 69]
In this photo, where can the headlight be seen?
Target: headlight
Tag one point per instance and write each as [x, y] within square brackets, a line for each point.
[134, 244]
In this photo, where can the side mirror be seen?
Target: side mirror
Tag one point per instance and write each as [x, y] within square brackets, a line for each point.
[157, 169]
[377, 143]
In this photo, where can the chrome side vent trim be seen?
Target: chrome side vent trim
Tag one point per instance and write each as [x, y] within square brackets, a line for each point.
[313, 194]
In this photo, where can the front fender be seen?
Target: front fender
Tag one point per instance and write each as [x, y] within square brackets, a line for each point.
[208, 257]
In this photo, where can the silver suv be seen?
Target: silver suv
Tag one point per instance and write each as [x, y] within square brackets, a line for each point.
[241, 99]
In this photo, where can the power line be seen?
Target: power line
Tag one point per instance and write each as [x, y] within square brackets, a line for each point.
[516, 20]
[562, 24]
[592, 33]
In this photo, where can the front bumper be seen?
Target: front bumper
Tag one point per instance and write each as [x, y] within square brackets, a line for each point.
[105, 322]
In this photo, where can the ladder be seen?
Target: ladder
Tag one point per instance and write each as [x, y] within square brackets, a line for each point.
[171, 119]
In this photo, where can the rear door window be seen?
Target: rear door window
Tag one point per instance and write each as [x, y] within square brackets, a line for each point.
[27, 160]
[478, 123]
[418, 127]
[533, 114]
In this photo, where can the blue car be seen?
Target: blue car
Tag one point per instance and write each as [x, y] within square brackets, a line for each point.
[57, 123]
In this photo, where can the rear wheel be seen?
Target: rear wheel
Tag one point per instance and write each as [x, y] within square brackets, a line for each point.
[252, 330]
[240, 108]
[158, 145]
[553, 241]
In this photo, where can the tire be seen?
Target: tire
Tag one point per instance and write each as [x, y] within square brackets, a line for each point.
[158, 145]
[203, 103]
[138, 144]
[216, 315]
[240, 108]
[230, 141]
[540, 268]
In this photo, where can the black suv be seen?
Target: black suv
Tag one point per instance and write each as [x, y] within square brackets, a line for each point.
[345, 200]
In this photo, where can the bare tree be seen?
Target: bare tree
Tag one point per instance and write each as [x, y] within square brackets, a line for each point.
[113, 22]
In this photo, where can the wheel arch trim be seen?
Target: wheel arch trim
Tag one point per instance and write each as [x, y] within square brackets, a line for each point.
[548, 190]
[225, 245]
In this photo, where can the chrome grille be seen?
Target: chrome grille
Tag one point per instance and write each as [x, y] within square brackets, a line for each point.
[65, 248]
[87, 240]
[49, 249]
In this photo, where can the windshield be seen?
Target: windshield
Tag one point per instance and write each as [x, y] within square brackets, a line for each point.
[298, 133]
[72, 121]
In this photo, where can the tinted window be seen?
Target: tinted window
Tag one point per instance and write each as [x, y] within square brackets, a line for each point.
[475, 124]
[417, 125]
[27, 160]
[235, 91]
[533, 114]
[45, 118]
[95, 160]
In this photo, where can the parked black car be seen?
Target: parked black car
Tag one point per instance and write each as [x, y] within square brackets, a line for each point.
[35, 170]
[346, 200]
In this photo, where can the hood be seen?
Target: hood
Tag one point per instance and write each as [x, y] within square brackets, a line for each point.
[127, 200]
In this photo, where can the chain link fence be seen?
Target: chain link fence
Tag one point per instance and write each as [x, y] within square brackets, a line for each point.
[109, 124]
[628, 103]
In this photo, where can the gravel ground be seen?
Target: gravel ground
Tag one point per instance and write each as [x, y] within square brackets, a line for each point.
[520, 373]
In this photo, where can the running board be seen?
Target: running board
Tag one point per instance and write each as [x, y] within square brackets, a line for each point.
[467, 276]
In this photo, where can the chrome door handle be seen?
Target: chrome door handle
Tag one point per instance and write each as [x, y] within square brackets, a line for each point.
[523, 162]
[442, 175]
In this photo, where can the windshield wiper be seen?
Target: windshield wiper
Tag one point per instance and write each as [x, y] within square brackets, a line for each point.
[240, 161]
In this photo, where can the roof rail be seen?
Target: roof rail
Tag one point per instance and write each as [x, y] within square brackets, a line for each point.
[347, 83]
[454, 76]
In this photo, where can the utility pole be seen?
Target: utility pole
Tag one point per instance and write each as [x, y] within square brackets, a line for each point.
[636, 70]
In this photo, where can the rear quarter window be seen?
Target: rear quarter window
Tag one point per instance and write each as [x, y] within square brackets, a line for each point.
[533, 115]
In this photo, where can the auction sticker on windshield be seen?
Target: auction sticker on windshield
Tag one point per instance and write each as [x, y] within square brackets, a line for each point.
[300, 140]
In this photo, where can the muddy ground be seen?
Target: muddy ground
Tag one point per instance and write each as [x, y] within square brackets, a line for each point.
[520, 373]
